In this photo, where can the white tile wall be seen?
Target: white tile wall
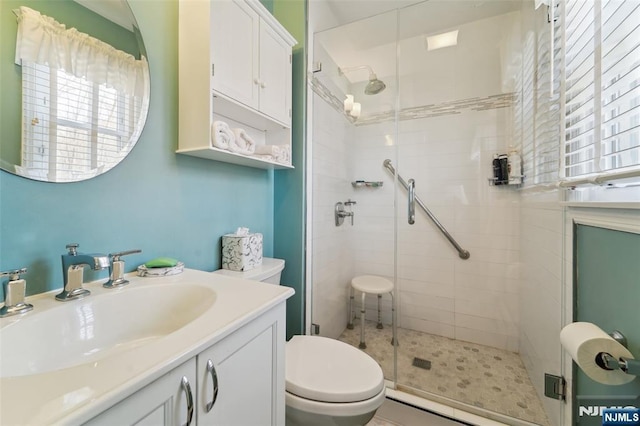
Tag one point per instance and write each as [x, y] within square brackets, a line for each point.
[541, 291]
[332, 264]
[449, 157]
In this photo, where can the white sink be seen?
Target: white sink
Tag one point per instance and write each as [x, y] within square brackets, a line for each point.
[99, 326]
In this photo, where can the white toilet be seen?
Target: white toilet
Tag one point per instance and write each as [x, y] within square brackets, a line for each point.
[328, 382]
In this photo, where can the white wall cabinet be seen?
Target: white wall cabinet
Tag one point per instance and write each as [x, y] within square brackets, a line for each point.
[235, 42]
[248, 373]
[275, 75]
[246, 66]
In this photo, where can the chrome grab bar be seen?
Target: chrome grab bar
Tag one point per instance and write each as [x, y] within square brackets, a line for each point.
[412, 201]
[464, 254]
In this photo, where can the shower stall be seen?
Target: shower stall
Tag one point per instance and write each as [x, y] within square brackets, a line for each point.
[409, 108]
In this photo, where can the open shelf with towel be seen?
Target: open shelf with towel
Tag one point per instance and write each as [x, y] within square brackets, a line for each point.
[212, 153]
[272, 135]
[248, 81]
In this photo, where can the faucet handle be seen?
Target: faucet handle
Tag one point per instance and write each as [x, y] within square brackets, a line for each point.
[116, 269]
[13, 274]
[116, 256]
[73, 248]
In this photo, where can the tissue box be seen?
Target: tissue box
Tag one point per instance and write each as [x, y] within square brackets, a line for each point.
[241, 253]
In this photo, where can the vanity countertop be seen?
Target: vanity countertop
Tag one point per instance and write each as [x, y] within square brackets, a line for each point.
[76, 394]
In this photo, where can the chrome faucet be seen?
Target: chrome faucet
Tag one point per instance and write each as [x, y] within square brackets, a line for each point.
[116, 269]
[14, 292]
[73, 264]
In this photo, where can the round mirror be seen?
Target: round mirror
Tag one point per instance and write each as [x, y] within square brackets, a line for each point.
[75, 89]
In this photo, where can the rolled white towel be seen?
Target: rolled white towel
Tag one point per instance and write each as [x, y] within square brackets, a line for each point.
[221, 135]
[272, 150]
[243, 143]
[284, 157]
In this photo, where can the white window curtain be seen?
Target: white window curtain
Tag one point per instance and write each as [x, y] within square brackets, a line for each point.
[44, 41]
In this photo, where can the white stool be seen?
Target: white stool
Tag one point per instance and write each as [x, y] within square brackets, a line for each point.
[374, 285]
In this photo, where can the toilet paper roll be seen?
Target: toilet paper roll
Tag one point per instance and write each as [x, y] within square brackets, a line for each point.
[584, 341]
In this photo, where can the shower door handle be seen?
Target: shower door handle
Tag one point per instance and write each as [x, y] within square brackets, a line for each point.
[412, 201]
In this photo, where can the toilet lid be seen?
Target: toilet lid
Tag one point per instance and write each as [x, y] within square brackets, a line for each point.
[328, 370]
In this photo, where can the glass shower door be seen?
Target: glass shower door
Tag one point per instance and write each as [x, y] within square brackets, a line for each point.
[473, 333]
[462, 338]
[354, 91]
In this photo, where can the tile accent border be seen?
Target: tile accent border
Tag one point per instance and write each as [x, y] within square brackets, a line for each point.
[326, 95]
[503, 100]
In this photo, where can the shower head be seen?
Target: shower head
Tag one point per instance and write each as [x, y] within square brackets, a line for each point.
[374, 86]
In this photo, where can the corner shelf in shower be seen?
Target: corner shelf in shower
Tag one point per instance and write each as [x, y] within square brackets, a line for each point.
[366, 183]
[495, 182]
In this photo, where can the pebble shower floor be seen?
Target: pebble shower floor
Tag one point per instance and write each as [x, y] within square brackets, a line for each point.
[482, 376]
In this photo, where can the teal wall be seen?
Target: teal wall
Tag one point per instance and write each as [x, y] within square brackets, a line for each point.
[289, 218]
[163, 203]
[607, 293]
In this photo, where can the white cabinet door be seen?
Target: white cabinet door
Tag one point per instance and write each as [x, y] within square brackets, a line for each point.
[249, 373]
[235, 32]
[275, 75]
[163, 402]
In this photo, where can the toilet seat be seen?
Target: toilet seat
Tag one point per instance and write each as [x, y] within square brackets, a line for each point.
[325, 370]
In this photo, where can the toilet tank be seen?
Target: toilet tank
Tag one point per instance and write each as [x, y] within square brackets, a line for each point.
[269, 272]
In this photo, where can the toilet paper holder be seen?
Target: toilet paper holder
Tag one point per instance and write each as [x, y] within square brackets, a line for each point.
[608, 362]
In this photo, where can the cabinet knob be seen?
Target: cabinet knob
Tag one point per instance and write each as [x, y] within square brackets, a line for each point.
[262, 84]
[256, 81]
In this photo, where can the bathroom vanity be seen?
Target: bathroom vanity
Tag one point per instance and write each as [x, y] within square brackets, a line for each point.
[194, 348]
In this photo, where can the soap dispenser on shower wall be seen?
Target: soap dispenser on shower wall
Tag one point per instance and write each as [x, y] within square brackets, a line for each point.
[514, 167]
[498, 177]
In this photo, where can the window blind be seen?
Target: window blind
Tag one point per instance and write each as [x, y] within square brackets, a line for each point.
[538, 112]
[72, 125]
[602, 96]
[547, 119]
[524, 110]
[620, 82]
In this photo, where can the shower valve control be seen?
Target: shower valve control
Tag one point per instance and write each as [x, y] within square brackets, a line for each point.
[340, 213]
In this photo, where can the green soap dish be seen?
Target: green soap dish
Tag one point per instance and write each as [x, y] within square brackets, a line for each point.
[161, 262]
[143, 271]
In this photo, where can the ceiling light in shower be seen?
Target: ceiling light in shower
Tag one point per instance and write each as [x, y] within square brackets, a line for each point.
[439, 41]
[374, 86]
